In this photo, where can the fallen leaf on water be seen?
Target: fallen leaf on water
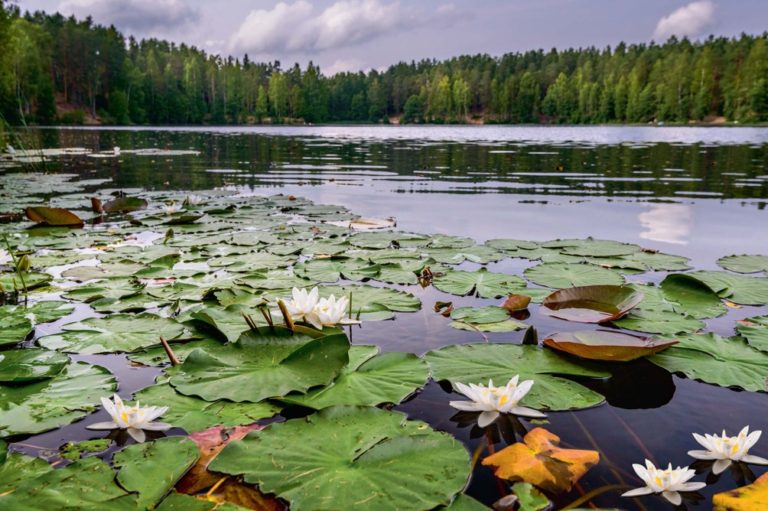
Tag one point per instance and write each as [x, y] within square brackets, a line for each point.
[515, 303]
[747, 498]
[53, 216]
[538, 460]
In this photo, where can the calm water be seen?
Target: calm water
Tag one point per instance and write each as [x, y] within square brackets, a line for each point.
[698, 192]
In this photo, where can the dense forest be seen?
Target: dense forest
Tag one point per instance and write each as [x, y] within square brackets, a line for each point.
[55, 69]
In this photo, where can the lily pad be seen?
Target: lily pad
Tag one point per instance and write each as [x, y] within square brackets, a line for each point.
[331, 270]
[369, 380]
[194, 414]
[124, 205]
[113, 334]
[745, 263]
[17, 322]
[53, 216]
[477, 363]
[755, 331]
[740, 289]
[16, 468]
[350, 458]
[32, 280]
[152, 469]
[591, 304]
[691, 296]
[479, 315]
[262, 365]
[606, 345]
[482, 282]
[369, 303]
[29, 365]
[44, 405]
[659, 322]
[560, 275]
[728, 362]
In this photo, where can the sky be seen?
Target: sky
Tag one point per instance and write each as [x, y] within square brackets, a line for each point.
[351, 35]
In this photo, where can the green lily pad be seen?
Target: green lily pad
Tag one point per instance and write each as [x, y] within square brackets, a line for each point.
[480, 315]
[75, 450]
[477, 363]
[692, 297]
[44, 405]
[87, 484]
[463, 502]
[755, 331]
[350, 458]
[333, 269]
[113, 334]
[369, 379]
[559, 275]
[194, 414]
[29, 365]
[596, 248]
[228, 322]
[509, 245]
[659, 322]
[740, 289]
[152, 469]
[482, 282]
[17, 468]
[508, 325]
[156, 356]
[479, 254]
[262, 365]
[379, 240]
[658, 261]
[728, 362]
[32, 280]
[744, 263]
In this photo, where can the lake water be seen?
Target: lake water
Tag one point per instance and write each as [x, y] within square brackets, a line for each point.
[696, 192]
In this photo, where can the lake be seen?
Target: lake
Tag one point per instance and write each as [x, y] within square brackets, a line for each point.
[696, 192]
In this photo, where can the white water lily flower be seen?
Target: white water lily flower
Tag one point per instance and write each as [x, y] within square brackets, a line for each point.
[492, 401]
[134, 419]
[5, 257]
[667, 482]
[116, 150]
[193, 200]
[171, 208]
[726, 449]
[302, 303]
[330, 312]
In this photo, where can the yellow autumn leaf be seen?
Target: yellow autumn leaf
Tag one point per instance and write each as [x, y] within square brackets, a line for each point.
[538, 460]
[747, 498]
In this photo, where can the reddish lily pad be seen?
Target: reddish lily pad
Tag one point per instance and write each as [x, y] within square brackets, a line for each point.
[606, 345]
[591, 304]
[53, 216]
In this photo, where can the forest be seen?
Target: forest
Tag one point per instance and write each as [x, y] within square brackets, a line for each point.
[56, 69]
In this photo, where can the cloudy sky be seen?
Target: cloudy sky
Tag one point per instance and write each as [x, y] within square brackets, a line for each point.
[345, 35]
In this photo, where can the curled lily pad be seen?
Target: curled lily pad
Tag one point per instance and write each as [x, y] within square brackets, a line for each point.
[369, 379]
[28, 365]
[741, 289]
[477, 363]
[606, 345]
[691, 296]
[348, 458]
[53, 216]
[261, 365]
[47, 404]
[591, 304]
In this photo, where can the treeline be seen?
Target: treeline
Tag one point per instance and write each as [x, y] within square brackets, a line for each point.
[58, 69]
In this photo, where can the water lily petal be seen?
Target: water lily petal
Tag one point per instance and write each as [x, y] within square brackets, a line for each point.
[755, 460]
[467, 406]
[703, 455]
[524, 411]
[137, 434]
[486, 418]
[637, 492]
[691, 486]
[673, 497]
[156, 426]
[102, 425]
[720, 466]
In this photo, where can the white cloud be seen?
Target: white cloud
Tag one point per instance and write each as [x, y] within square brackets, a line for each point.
[296, 27]
[343, 66]
[142, 16]
[667, 223]
[690, 21]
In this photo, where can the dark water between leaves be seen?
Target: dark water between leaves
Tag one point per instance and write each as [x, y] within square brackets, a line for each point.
[696, 192]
